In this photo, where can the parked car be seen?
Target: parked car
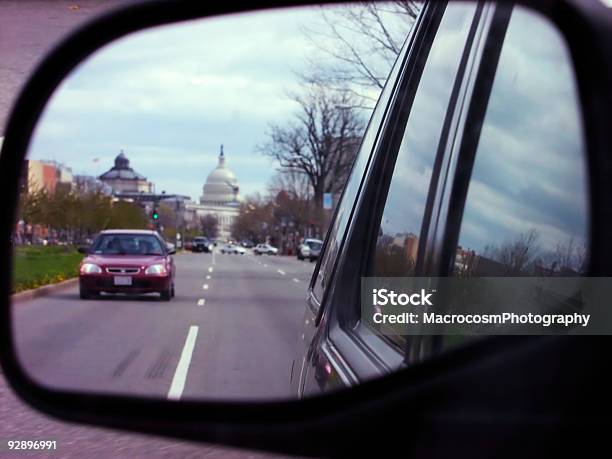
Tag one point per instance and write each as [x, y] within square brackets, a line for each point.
[309, 249]
[247, 244]
[267, 249]
[233, 249]
[127, 261]
[201, 244]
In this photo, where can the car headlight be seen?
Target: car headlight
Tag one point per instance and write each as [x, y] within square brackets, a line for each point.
[90, 268]
[156, 270]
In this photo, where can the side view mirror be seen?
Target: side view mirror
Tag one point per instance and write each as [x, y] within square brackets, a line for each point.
[84, 249]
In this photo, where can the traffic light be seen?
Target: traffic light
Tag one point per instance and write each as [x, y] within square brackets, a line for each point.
[155, 215]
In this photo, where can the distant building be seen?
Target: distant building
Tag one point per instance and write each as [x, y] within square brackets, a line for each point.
[40, 176]
[220, 198]
[86, 184]
[409, 243]
[50, 176]
[64, 179]
[122, 178]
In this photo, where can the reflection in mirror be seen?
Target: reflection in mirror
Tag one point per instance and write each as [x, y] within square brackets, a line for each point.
[181, 181]
[176, 194]
[526, 210]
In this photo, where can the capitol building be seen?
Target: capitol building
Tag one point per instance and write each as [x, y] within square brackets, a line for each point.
[220, 198]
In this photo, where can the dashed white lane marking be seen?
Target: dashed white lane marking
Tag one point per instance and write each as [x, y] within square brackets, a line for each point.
[210, 270]
[208, 277]
[180, 374]
[201, 302]
[295, 280]
[205, 287]
[280, 272]
[265, 266]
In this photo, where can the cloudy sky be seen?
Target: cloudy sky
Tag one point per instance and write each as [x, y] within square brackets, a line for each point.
[530, 170]
[170, 96]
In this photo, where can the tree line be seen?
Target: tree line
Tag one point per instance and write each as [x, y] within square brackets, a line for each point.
[76, 216]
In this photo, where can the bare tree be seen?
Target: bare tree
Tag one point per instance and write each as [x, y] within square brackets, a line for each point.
[516, 255]
[255, 219]
[295, 183]
[322, 141]
[365, 39]
[568, 257]
[209, 226]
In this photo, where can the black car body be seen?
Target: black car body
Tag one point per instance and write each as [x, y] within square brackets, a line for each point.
[201, 244]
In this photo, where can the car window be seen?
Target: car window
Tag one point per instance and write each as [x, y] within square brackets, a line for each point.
[400, 226]
[526, 211]
[127, 244]
[398, 234]
[526, 208]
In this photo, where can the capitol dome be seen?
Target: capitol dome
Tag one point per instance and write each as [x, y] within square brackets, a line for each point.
[221, 187]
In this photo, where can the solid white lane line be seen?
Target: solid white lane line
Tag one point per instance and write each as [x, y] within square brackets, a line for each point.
[205, 287]
[280, 272]
[180, 375]
[295, 280]
[201, 302]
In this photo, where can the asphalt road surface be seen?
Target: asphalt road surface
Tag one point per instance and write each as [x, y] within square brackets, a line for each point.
[230, 333]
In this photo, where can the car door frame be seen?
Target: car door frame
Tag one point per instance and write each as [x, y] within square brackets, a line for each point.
[355, 353]
[317, 305]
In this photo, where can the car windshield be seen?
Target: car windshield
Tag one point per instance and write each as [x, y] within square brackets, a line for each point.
[127, 244]
[314, 245]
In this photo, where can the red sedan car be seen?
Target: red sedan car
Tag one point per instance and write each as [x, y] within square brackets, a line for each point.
[127, 261]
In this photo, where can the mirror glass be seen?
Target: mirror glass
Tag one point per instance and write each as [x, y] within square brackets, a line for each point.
[182, 180]
[167, 230]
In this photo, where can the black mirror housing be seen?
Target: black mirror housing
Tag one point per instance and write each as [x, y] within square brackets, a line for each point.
[84, 249]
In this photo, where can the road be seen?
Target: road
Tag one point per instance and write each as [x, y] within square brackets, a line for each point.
[230, 333]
